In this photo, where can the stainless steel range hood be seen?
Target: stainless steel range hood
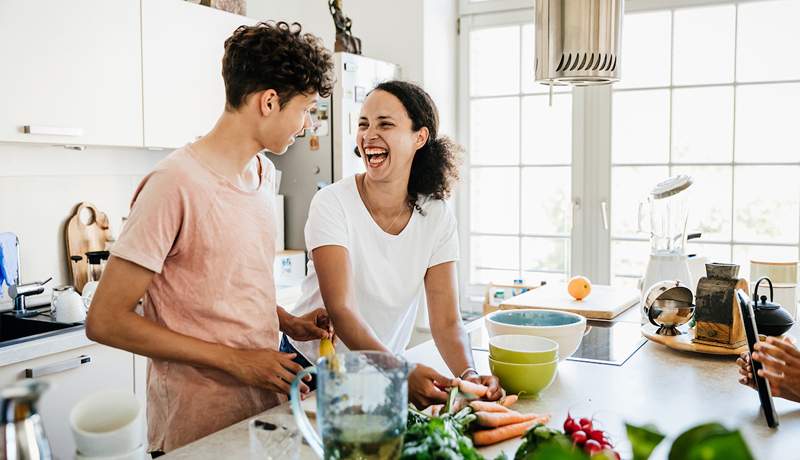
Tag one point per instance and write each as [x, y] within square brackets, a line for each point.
[578, 41]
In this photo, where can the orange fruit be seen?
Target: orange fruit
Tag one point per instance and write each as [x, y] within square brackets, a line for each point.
[579, 287]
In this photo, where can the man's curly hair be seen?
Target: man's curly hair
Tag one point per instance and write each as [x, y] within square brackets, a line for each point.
[434, 169]
[276, 56]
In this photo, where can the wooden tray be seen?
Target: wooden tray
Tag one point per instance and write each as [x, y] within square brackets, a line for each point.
[684, 342]
[604, 302]
[86, 230]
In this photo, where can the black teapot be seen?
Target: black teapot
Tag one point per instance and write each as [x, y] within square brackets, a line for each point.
[771, 318]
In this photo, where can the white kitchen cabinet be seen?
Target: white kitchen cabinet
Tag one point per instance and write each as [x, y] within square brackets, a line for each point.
[72, 375]
[71, 71]
[182, 49]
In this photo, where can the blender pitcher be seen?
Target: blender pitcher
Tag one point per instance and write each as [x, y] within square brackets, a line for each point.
[362, 406]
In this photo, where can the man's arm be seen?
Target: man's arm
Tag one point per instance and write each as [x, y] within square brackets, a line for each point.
[113, 321]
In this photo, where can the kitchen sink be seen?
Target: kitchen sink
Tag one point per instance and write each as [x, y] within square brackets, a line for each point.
[15, 330]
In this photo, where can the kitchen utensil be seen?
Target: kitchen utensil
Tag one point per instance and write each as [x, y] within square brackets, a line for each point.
[362, 405]
[604, 302]
[274, 437]
[668, 213]
[563, 327]
[86, 230]
[66, 305]
[523, 349]
[527, 380]
[668, 304]
[719, 321]
[771, 318]
[107, 423]
[686, 342]
[23, 435]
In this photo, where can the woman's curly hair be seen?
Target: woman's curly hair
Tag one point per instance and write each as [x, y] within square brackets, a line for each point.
[275, 56]
[434, 170]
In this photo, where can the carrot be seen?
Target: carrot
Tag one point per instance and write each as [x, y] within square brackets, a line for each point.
[497, 419]
[487, 406]
[509, 400]
[503, 433]
[465, 386]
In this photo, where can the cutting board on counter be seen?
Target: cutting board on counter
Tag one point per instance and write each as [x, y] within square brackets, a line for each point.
[86, 230]
[604, 302]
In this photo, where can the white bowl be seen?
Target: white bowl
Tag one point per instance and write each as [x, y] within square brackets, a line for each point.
[140, 453]
[107, 424]
[563, 327]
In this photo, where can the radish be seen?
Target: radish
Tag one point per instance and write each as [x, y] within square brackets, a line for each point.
[570, 425]
[597, 435]
[586, 424]
[579, 437]
[592, 447]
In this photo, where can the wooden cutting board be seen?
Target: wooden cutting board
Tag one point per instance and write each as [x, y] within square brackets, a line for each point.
[86, 230]
[604, 302]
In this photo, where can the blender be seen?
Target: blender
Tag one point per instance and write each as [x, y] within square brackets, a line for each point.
[668, 213]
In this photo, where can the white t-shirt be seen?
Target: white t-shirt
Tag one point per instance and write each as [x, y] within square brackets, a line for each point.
[388, 270]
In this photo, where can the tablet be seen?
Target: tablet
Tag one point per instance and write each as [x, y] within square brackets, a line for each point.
[764, 392]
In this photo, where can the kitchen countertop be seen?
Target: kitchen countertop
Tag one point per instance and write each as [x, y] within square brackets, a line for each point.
[54, 342]
[673, 390]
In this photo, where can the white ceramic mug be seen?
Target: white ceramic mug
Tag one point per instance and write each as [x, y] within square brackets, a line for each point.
[68, 306]
[108, 424]
[140, 453]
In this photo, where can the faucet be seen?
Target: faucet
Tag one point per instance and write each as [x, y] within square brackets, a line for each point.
[20, 293]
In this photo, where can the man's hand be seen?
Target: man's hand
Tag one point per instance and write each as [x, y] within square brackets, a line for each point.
[781, 366]
[426, 386]
[495, 392]
[314, 325]
[268, 369]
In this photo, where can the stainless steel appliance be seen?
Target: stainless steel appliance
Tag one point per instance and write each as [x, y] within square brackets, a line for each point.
[325, 154]
[23, 436]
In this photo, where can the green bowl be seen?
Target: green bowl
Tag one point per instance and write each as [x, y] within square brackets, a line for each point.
[523, 349]
[527, 380]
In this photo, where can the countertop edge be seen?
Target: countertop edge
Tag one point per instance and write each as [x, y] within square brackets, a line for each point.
[38, 348]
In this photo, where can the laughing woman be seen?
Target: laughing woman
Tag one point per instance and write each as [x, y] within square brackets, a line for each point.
[384, 243]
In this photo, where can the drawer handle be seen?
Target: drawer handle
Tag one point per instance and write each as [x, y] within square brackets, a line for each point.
[55, 368]
[52, 130]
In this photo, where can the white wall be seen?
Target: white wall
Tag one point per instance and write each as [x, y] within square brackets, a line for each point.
[41, 185]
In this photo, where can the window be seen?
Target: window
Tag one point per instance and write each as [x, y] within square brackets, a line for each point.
[519, 177]
[706, 91]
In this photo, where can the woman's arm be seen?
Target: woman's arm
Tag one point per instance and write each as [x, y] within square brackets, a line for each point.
[441, 288]
[335, 275]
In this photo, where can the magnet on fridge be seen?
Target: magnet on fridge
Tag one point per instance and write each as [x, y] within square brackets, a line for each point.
[313, 143]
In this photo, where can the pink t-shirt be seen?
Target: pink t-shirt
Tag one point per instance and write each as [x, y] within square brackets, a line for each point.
[212, 247]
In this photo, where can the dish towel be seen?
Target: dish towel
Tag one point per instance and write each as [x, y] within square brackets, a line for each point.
[9, 260]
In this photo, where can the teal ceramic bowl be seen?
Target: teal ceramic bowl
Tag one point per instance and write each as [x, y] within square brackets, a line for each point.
[526, 380]
[523, 349]
[563, 327]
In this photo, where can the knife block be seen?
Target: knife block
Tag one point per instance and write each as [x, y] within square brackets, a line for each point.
[717, 313]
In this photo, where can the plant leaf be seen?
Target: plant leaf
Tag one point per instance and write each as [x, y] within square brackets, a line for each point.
[725, 446]
[644, 439]
[684, 444]
[554, 450]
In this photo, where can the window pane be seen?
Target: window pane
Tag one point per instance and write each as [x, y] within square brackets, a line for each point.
[494, 61]
[535, 278]
[629, 258]
[702, 125]
[640, 129]
[742, 255]
[494, 200]
[704, 39]
[528, 71]
[545, 254]
[547, 130]
[767, 41]
[766, 123]
[631, 186]
[709, 200]
[478, 276]
[494, 252]
[714, 253]
[645, 50]
[546, 200]
[766, 204]
[625, 282]
[494, 131]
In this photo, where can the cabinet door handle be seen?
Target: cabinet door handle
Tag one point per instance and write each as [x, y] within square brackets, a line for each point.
[52, 130]
[60, 366]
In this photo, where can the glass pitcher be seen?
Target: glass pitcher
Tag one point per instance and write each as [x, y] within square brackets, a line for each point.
[362, 406]
[668, 209]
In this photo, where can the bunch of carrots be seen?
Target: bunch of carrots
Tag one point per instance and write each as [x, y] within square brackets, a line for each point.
[495, 421]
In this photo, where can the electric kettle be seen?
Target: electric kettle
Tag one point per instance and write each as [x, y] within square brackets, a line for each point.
[23, 436]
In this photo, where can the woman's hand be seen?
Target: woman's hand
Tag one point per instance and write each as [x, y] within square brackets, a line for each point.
[268, 369]
[426, 386]
[781, 366]
[311, 326]
[495, 392]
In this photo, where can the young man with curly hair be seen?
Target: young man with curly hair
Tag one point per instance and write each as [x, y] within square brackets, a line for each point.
[199, 247]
